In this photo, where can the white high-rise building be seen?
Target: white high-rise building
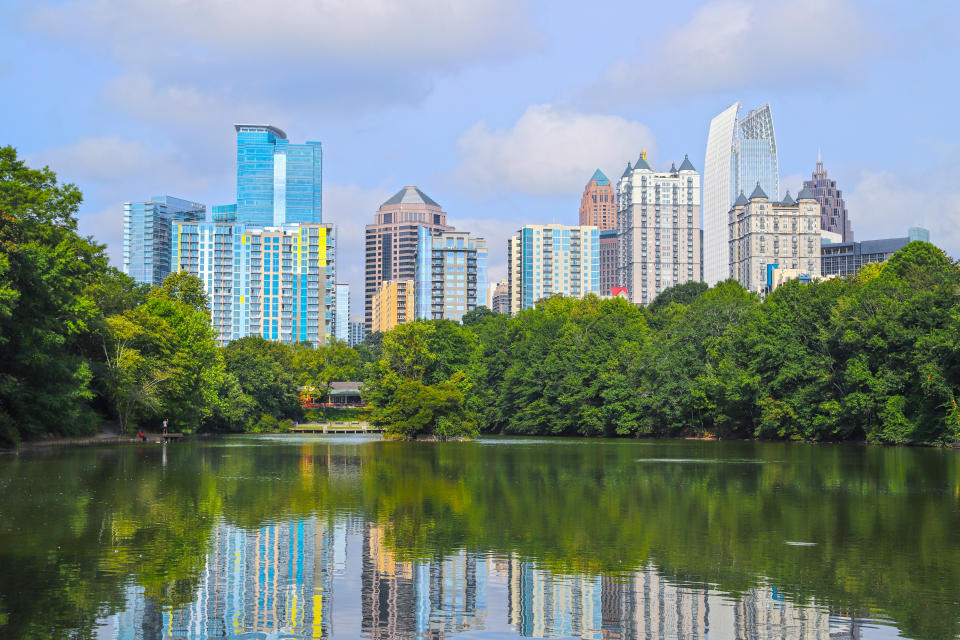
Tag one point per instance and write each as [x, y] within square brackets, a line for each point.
[341, 312]
[740, 153]
[658, 237]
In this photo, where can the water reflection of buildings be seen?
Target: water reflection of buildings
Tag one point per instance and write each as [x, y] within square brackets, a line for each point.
[646, 605]
[274, 580]
[430, 599]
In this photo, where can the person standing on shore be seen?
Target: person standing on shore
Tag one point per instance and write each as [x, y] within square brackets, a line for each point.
[142, 437]
[165, 422]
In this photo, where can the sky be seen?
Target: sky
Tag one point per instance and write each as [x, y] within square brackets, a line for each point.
[500, 110]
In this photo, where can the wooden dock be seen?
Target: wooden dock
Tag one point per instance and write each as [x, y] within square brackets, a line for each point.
[336, 428]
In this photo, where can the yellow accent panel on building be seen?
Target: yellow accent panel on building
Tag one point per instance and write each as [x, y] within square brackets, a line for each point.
[393, 304]
[322, 249]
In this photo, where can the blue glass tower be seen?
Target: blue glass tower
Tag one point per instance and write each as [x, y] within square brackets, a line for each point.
[147, 239]
[277, 182]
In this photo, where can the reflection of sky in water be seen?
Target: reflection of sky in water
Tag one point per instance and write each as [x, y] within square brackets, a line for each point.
[310, 578]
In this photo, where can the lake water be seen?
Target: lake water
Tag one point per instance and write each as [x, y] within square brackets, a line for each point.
[354, 537]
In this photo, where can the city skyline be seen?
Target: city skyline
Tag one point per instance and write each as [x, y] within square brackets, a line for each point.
[492, 114]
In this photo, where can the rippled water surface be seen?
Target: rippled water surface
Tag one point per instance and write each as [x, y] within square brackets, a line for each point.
[343, 537]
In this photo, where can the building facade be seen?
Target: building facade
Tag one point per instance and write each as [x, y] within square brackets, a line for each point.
[357, 331]
[833, 209]
[608, 260]
[598, 206]
[740, 153]
[391, 241]
[393, 303]
[275, 282]
[658, 239]
[846, 258]
[500, 302]
[451, 274]
[148, 235]
[552, 259]
[277, 182]
[766, 235]
[341, 312]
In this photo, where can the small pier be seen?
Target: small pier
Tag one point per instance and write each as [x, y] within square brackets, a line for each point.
[336, 427]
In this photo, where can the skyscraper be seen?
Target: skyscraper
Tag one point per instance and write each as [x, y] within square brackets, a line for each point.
[552, 259]
[391, 242]
[147, 235]
[740, 153]
[608, 260]
[833, 210]
[451, 274]
[277, 182]
[598, 206]
[341, 312]
[768, 236]
[658, 240]
[501, 298]
[357, 331]
[275, 282]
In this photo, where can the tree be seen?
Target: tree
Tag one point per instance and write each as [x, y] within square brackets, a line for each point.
[413, 391]
[45, 268]
[134, 373]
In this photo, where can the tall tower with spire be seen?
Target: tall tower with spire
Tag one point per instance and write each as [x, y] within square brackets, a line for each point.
[598, 206]
[833, 210]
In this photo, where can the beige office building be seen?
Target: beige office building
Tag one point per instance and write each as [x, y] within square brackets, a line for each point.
[767, 235]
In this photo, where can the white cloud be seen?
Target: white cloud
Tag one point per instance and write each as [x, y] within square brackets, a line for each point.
[334, 55]
[548, 151]
[96, 158]
[886, 204]
[733, 44]
[349, 34]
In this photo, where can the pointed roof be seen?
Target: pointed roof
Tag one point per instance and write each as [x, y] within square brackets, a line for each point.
[626, 172]
[686, 165]
[410, 195]
[758, 193]
[805, 194]
[673, 167]
[642, 162]
[741, 200]
[599, 178]
[788, 201]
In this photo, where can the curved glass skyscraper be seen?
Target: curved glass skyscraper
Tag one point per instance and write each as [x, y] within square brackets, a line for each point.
[740, 153]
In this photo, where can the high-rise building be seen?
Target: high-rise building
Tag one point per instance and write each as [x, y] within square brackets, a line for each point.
[451, 274]
[740, 153]
[391, 241]
[846, 258]
[277, 182]
[393, 303]
[501, 298]
[598, 206]
[341, 312]
[275, 282]
[552, 259]
[767, 235]
[833, 210]
[147, 235]
[658, 240]
[357, 331]
[608, 260]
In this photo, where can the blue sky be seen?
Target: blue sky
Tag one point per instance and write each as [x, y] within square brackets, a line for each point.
[498, 109]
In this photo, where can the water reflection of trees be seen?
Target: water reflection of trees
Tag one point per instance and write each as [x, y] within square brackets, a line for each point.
[563, 512]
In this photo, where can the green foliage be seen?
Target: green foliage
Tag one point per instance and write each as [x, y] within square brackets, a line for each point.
[421, 385]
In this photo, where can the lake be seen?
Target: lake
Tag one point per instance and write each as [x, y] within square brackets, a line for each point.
[355, 537]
